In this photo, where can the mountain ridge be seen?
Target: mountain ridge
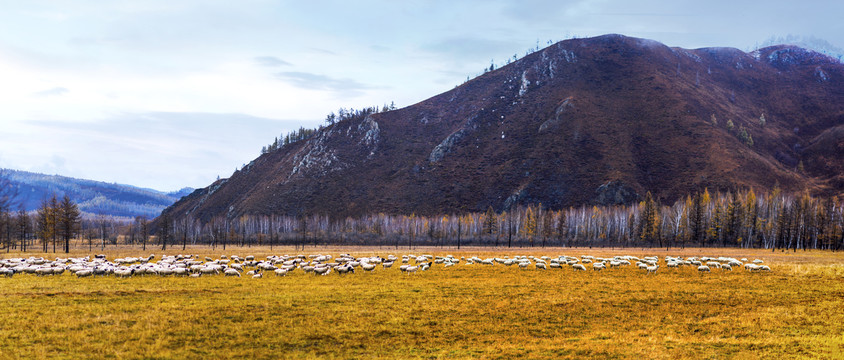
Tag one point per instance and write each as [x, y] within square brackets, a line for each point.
[93, 197]
[585, 121]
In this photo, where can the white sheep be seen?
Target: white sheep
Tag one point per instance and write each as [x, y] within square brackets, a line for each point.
[703, 268]
[232, 272]
[85, 273]
[579, 267]
[652, 269]
[367, 267]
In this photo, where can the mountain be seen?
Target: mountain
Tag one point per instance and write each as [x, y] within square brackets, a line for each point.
[94, 197]
[585, 121]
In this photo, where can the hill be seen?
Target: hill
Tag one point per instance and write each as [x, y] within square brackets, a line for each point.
[585, 121]
[93, 197]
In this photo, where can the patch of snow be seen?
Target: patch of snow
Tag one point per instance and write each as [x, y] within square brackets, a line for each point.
[525, 83]
[822, 76]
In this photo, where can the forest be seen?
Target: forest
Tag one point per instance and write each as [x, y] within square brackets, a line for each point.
[739, 219]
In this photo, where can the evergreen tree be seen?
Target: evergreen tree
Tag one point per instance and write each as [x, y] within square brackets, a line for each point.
[69, 217]
[490, 221]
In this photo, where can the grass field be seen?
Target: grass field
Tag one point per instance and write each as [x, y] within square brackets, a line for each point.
[794, 311]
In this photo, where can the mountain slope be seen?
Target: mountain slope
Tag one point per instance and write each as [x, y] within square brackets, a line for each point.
[585, 121]
[93, 197]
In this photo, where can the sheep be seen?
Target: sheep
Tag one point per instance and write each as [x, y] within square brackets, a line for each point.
[345, 269]
[411, 269]
[208, 270]
[7, 272]
[577, 267]
[280, 272]
[367, 267]
[258, 275]
[713, 264]
[541, 265]
[703, 268]
[764, 268]
[598, 266]
[652, 269]
[726, 267]
[124, 272]
[85, 273]
[232, 272]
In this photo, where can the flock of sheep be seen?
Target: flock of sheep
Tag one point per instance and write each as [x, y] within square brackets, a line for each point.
[193, 266]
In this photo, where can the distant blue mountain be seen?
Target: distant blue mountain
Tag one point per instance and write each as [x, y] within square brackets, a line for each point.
[94, 197]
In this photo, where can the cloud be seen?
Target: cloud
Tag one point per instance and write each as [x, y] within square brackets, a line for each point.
[311, 81]
[56, 91]
[271, 61]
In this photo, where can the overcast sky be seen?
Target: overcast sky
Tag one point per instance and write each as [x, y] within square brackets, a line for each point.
[167, 94]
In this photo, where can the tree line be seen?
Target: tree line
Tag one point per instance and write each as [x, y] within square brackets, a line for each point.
[703, 219]
[342, 114]
[56, 222]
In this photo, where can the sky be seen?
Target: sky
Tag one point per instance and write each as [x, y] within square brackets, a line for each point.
[171, 94]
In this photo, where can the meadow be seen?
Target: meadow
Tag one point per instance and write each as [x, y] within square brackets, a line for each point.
[464, 311]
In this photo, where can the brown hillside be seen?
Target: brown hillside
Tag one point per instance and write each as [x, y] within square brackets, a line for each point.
[598, 120]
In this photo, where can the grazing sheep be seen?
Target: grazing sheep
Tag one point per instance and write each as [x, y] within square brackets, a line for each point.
[258, 276]
[232, 272]
[703, 268]
[577, 267]
[280, 272]
[85, 273]
[598, 266]
[764, 268]
[367, 267]
[726, 267]
[541, 265]
[411, 269]
[652, 269]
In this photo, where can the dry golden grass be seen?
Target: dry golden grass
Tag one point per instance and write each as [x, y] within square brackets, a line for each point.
[475, 311]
